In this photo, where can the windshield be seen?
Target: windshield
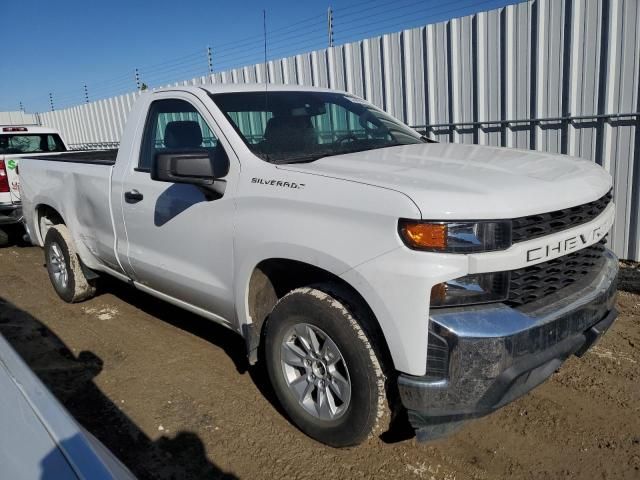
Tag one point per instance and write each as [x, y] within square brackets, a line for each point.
[31, 143]
[286, 127]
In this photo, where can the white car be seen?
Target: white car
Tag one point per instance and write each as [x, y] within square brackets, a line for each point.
[372, 267]
[16, 142]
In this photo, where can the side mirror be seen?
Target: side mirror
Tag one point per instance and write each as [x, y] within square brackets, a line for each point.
[199, 167]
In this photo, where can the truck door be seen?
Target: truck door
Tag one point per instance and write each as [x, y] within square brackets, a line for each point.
[179, 241]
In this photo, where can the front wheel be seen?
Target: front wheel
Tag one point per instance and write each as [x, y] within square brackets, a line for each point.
[324, 368]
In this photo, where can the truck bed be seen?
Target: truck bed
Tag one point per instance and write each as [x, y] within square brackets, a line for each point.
[100, 157]
[77, 185]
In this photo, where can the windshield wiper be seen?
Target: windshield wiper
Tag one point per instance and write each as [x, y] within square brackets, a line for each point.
[316, 156]
[305, 158]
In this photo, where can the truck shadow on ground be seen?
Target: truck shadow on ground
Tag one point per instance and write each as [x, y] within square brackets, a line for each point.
[230, 342]
[70, 379]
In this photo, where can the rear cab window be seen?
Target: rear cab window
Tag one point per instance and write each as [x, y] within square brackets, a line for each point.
[25, 143]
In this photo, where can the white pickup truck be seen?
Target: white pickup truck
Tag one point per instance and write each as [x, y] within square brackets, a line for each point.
[16, 142]
[375, 272]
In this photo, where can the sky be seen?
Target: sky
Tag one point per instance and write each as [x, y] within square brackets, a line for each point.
[59, 47]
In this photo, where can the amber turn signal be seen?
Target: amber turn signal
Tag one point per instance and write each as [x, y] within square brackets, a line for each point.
[432, 236]
[438, 294]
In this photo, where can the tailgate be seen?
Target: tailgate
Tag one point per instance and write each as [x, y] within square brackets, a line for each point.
[11, 164]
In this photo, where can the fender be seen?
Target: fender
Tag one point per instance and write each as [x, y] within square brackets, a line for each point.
[284, 251]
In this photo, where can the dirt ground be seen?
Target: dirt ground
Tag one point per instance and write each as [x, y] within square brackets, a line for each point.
[171, 395]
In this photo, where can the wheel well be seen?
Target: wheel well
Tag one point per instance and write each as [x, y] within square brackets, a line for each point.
[272, 279]
[47, 216]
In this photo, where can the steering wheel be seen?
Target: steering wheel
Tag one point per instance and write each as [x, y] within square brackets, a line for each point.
[343, 138]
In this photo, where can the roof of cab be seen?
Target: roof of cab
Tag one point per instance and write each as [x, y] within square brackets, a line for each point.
[214, 88]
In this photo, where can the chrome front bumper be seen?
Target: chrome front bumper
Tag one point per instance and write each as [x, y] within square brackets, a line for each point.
[497, 353]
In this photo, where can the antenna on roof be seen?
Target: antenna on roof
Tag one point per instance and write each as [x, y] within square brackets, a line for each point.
[266, 70]
[264, 30]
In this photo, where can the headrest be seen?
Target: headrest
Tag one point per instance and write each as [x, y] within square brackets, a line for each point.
[182, 134]
[286, 125]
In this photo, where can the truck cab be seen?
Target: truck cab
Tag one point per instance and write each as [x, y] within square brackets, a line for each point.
[17, 141]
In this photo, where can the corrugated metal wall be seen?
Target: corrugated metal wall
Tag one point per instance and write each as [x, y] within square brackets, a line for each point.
[553, 75]
[18, 118]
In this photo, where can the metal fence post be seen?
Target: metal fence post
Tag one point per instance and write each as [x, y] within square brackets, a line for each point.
[330, 26]
[210, 59]
[137, 80]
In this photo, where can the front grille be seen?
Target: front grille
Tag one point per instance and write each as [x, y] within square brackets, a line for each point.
[529, 284]
[534, 226]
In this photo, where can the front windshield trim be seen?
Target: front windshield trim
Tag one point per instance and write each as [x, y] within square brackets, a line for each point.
[387, 131]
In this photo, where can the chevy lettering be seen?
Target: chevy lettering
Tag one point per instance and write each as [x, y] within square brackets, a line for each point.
[566, 245]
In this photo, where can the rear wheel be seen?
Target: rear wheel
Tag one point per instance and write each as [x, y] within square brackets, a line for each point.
[64, 268]
[324, 368]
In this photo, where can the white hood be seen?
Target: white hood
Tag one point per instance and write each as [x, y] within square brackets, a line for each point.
[464, 182]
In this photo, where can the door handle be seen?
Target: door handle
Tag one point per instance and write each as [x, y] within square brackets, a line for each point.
[133, 196]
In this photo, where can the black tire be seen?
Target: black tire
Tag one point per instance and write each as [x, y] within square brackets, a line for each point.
[4, 238]
[16, 234]
[319, 306]
[76, 287]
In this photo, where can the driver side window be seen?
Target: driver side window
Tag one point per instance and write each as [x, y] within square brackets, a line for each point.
[173, 125]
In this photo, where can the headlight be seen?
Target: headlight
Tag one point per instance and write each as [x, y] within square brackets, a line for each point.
[471, 289]
[456, 237]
